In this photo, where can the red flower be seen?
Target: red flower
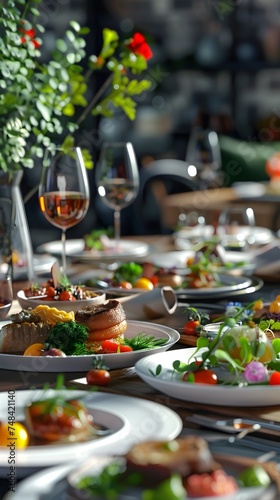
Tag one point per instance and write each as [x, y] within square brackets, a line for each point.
[30, 34]
[138, 45]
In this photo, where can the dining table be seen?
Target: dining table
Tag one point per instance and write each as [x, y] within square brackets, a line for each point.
[126, 381]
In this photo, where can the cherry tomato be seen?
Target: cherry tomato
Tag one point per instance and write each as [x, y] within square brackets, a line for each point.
[98, 377]
[50, 291]
[190, 327]
[274, 378]
[34, 350]
[66, 295]
[144, 283]
[202, 377]
[210, 484]
[13, 431]
[110, 346]
[154, 280]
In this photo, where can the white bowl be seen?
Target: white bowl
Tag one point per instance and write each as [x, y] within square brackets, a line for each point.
[63, 305]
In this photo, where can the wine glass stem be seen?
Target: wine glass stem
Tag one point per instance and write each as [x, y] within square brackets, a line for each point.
[117, 227]
[63, 250]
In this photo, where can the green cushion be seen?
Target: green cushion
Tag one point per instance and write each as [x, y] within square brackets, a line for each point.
[245, 160]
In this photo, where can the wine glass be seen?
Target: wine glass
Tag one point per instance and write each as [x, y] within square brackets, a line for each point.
[235, 228]
[204, 157]
[64, 191]
[117, 179]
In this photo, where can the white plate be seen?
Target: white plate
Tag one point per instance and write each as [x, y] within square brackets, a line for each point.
[63, 305]
[75, 249]
[45, 483]
[229, 283]
[262, 235]
[134, 419]
[41, 263]
[201, 393]
[84, 363]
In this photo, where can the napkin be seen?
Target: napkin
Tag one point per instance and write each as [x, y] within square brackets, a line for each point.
[156, 303]
[267, 259]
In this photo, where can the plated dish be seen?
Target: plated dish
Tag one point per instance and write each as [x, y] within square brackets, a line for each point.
[132, 420]
[132, 277]
[51, 484]
[216, 293]
[75, 249]
[84, 363]
[177, 260]
[95, 297]
[257, 395]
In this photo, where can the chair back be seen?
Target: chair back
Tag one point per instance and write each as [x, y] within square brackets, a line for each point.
[157, 180]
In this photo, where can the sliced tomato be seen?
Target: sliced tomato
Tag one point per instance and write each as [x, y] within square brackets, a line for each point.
[109, 346]
[190, 327]
[201, 377]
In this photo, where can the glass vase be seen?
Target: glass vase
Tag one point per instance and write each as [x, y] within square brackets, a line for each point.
[15, 241]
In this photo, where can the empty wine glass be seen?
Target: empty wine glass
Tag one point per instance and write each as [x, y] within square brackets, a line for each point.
[204, 157]
[64, 191]
[235, 228]
[117, 179]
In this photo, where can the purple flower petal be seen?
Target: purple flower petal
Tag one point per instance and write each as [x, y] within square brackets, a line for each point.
[255, 372]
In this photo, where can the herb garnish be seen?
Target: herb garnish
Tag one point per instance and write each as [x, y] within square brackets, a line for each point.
[143, 341]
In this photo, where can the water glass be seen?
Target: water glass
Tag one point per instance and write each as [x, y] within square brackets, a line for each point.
[235, 228]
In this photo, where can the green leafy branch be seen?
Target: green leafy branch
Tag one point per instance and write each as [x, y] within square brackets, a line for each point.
[45, 103]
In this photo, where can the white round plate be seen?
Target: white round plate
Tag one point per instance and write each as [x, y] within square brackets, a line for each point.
[262, 235]
[81, 364]
[132, 419]
[257, 395]
[229, 283]
[51, 484]
[75, 249]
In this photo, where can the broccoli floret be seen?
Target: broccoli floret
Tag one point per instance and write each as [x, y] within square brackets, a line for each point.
[68, 336]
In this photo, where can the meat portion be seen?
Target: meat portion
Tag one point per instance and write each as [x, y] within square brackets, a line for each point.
[157, 460]
[16, 337]
[98, 317]
[104, 321]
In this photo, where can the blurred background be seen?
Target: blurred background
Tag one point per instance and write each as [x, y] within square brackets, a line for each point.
[216, 64]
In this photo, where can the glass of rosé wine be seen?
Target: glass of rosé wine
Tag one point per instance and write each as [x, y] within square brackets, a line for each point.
[64, 191]
[117, 180]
